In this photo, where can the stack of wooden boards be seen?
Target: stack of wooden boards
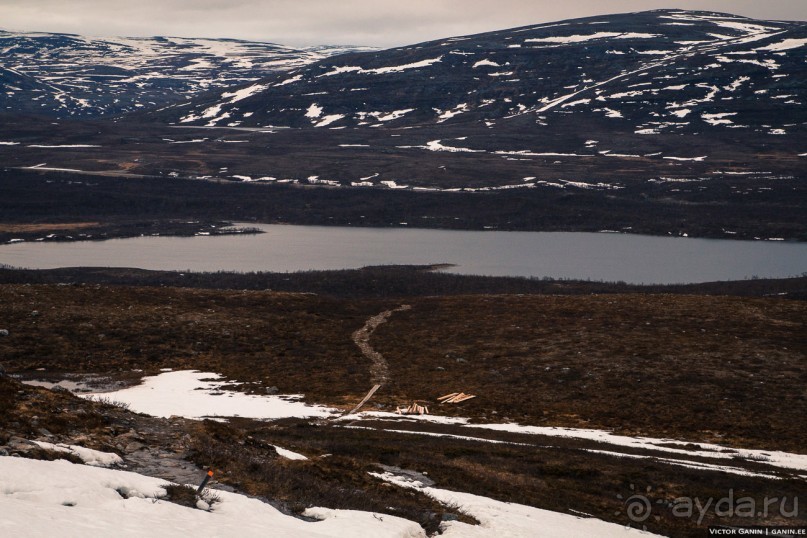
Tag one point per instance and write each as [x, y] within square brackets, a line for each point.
[417, 409]
[414, 409]
[455, 397]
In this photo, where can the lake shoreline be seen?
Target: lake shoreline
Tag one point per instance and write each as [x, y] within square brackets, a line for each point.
[606, 257]
[392, 282]
[130, 206]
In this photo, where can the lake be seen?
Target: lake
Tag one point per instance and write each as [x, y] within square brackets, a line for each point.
[283, 248]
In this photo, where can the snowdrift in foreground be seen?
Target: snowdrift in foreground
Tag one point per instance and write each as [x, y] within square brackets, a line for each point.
[58, 498]
[95, 458]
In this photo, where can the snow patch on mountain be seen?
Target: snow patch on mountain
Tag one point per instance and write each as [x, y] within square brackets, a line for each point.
[444, 115]
[590, 37]
[243, 93]
[292, 80]
[382, 70]
[436, 145]
[485, 62]
[787, 44]
[384, 116]
[327, 120]
[718, 119]
[314, 111]
[67, 75]
[695, 159]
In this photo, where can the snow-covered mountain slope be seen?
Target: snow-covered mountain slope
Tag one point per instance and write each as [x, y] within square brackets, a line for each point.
[74, 76]
[656, 71]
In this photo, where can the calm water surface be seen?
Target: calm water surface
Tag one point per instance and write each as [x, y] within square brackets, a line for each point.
[596, 256]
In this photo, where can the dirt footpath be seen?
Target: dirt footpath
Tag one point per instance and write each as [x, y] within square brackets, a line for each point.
[379, 371]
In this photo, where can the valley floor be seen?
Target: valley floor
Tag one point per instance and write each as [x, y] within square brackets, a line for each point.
[582, 402]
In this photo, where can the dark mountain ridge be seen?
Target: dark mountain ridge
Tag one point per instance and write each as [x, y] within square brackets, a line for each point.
[663, 122]
[656, 71]
[67, 75]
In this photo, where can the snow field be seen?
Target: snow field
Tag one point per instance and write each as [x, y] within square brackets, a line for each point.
[58, 498]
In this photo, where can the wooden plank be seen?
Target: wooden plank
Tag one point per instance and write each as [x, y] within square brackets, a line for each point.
[466, 397]
[447, 396]
[364, 401]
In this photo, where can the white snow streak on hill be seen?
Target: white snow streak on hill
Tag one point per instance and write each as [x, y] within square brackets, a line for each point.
[381, 70]
[193, 394]
[504, 520]
[197, 395]
[589, 37]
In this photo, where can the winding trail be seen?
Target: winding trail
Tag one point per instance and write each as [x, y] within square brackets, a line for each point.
[379, 371]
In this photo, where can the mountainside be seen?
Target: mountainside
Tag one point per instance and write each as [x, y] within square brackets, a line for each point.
[68, 75]
[662, 122]
[659, 71]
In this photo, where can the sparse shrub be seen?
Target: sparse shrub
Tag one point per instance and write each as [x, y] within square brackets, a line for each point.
[107, 403]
